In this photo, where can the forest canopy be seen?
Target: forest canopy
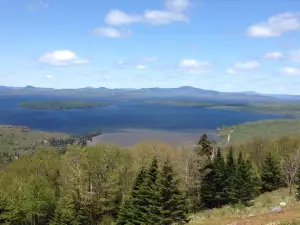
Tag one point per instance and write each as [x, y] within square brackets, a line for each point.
[61, 104]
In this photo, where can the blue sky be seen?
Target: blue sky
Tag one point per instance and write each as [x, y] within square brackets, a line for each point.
[211, 44]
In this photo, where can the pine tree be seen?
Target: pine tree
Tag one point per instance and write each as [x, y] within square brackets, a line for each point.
[173, 205]
[270, 174]
[219, 172]
[244, 185]
[230, 179]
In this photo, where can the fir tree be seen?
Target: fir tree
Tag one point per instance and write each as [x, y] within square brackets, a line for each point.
[207, 187]
[230, 179]
[244, 185]
[127, 210]
[205, 146]
[219, 169]
[65, 212]
[270, 174]
[142, 207]
[173, 205]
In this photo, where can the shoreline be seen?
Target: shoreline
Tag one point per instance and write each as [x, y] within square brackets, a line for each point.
[130, 137]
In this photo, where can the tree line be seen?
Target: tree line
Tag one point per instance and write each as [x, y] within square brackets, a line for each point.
[152, 183]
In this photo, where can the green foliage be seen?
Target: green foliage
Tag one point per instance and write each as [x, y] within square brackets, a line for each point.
[245, 186]
[230, 178]
[298, 185]
[219, 179]
[204, 146]
[173, 205]
[60, 104]
[271, 175]
[65, 212]
[155, 198]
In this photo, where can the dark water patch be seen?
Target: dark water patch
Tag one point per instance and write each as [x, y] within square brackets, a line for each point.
[121, 115]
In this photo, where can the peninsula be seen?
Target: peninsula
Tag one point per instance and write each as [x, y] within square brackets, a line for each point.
[60, 104]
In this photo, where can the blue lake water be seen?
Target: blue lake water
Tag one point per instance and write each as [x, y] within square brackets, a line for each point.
[121, 115]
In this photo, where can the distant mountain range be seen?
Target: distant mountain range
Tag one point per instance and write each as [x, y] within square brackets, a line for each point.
[184, 92]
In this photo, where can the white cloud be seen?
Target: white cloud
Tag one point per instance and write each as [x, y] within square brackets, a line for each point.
[243, 67]
[273, 55]
[141, 67]
[61, 58]
[194, 66]
[177, 5]
[117, 17]
[174, 12]
[290, 71]
[111, 32]
[276, 25]
[49, 77]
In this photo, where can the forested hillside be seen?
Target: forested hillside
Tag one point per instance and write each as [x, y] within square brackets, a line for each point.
[150, 183]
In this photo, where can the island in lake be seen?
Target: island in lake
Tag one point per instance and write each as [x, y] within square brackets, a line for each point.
[60, 104]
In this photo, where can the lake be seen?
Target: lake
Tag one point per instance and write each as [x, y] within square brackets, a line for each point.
[124, 117]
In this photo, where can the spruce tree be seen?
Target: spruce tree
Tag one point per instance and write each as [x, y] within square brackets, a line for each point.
[270, 174]
[142, 207]
[173, 205]
[65, 212]
[230, 179]
[205, 146]
[207, 187]
[219, 172]
[128, 209]
[244, 186]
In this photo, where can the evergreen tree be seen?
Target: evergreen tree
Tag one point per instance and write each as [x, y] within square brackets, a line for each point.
[142, 207]
[244, 185]
[173, 205]
[255, 179]
[65, 212]
[219, 173]
[270, 174]
[207, 187]
[205, 146]
[127, 210]
[230, 179]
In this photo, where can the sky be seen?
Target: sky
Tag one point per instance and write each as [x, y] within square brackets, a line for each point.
[224, 45]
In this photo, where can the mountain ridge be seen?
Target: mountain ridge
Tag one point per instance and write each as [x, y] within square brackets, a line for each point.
[155, 92]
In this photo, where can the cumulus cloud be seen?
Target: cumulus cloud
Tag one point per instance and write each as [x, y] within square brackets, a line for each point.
[243, 67]
[111, 32]
[273, 55]
[290, 71]
[61, 58]
[141, 67]
[175, 11]
[193, 66]
[276, 25]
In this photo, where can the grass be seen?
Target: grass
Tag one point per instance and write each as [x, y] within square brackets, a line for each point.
[258, 213]
[23, 138]
[278, 108]
[265, 129]
[60, 104]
